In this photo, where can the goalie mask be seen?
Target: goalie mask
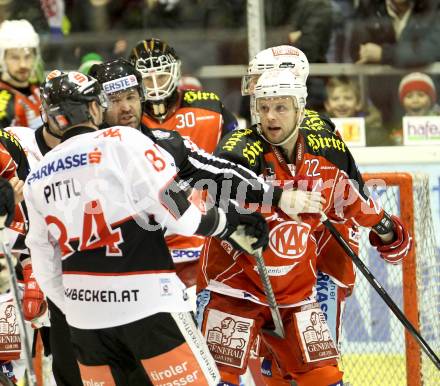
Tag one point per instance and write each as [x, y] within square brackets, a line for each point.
[275, 89]
[66, 97]
[160, 69]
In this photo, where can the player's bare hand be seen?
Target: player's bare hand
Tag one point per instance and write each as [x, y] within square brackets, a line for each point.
[17, 185]
[295, 202]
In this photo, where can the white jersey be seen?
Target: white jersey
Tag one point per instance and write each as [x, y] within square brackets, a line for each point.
[94, 205]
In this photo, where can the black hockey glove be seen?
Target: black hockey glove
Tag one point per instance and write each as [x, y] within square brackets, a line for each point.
[246, 232]
[7, 201]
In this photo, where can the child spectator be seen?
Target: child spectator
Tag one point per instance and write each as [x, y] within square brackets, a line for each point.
[418, 96]
[343, 100]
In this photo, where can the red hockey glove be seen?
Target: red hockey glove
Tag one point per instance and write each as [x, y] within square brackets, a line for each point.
[34, 304]
[395, 251]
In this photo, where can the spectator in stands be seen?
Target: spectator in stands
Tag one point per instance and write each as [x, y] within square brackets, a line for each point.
[401, 33]
[311, 30]
[343, 11]
[418, 98]
[418, 95]
[343, 100]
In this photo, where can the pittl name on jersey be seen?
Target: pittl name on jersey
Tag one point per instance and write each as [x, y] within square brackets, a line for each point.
[61, 190]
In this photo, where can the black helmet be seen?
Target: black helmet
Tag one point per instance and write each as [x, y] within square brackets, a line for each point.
[160, 69]
[65, 98]
[118, 75]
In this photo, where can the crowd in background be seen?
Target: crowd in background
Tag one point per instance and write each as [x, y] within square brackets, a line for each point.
[400, 33]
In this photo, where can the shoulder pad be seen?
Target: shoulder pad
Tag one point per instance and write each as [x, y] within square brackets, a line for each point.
[317, 122]
[9, 139]
[244, 146]
[202, 99]
[238, 139]
[327, 145]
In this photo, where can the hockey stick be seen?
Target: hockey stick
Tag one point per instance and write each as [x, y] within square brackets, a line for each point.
[32, 381]
[270, 296]
[381, 291]
[246, 243]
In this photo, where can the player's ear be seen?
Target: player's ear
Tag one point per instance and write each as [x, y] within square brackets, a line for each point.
[96, 112]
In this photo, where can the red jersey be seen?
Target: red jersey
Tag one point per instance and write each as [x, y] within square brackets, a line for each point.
[291, 256]
[20, 107]
[13, 163]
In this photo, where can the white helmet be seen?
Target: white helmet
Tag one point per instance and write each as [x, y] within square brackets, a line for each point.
[17, 34]
[283, 83]
[279, 57]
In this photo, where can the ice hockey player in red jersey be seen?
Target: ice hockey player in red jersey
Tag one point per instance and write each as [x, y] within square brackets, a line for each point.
[195, 114]
[336, 274]
[97, 207]
[282, 150]
[14, 168]
[20, 97]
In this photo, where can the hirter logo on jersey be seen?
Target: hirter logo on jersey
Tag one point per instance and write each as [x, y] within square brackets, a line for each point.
[289, 239]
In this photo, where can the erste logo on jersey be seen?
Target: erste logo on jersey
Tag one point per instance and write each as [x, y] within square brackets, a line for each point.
[119, 84]
[289, 239]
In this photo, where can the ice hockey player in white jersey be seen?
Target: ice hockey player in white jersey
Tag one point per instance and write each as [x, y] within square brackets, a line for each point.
[56, 340]
[97, 207]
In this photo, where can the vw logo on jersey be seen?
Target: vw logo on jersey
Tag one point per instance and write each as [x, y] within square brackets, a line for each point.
[289, 239]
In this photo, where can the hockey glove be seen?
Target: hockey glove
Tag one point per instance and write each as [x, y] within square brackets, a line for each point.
[7, 203]
[246, 232]
[395, 251]
[34, 304]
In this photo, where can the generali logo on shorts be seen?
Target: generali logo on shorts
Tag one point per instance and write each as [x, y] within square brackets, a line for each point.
[227, 337]
[316, 340]
[289, 239]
